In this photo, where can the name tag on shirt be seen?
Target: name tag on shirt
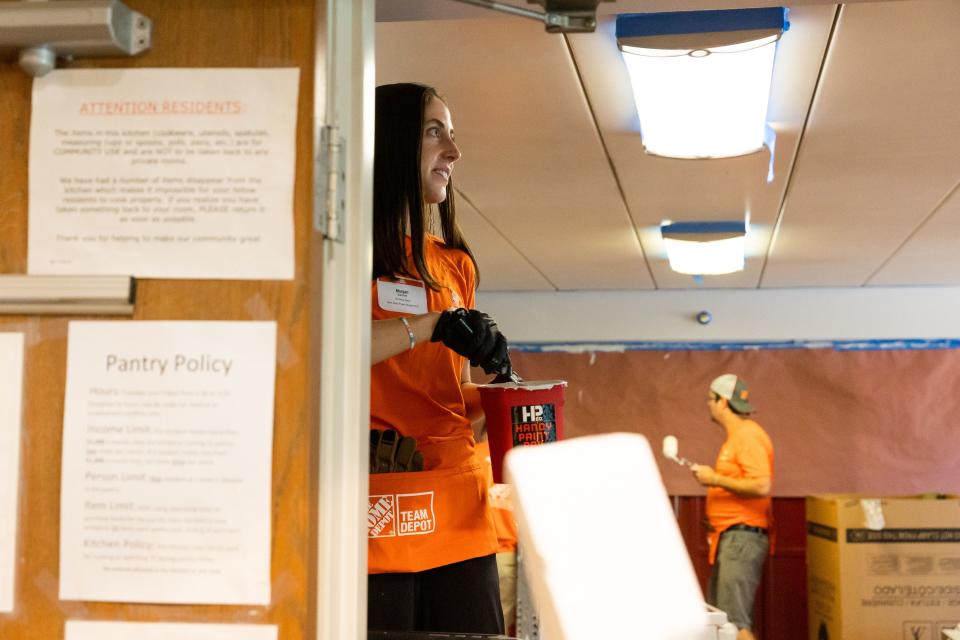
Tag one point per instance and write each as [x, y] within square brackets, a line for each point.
[402, 297]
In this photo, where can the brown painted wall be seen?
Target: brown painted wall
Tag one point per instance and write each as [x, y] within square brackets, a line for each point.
[880, 422]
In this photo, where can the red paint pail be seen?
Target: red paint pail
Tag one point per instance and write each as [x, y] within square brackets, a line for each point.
[521, 414]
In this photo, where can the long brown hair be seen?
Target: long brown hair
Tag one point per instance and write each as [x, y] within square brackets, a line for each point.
[397, 192]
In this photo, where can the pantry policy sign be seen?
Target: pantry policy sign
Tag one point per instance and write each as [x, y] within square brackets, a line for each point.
[166, 470]
[163, 173]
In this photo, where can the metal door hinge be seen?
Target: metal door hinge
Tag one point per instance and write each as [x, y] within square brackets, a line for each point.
[330, 173]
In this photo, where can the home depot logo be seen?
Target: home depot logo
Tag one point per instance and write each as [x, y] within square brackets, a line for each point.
[381, 516]
[402, 514]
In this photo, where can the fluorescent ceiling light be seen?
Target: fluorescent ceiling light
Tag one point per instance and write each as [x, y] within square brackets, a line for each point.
[701, 79]
[705, 248]
[67, 295]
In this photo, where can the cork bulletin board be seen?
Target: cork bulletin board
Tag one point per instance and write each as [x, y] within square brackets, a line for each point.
[187, 33]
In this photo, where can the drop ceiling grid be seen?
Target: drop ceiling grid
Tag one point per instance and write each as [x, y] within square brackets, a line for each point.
[533, 163]
[502, 267]
[881, 146]
[932, 255]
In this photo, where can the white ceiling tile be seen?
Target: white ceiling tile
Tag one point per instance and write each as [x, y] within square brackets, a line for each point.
[932, 255]
[502, 267]
[882, 146]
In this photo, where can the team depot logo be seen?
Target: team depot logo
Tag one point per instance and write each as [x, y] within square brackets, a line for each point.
[402, 514]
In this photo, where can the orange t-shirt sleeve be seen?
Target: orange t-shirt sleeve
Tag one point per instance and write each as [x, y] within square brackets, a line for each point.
[754, 461]
[470, 282]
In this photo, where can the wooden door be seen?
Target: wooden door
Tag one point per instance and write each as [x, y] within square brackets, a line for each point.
[186, 33]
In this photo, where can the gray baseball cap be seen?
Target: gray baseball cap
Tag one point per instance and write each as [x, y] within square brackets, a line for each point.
[734, 389]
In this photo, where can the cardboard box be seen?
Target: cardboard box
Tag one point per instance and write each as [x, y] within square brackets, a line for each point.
[887, 573]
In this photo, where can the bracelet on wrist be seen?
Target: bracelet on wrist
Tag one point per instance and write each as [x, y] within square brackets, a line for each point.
[410, 335]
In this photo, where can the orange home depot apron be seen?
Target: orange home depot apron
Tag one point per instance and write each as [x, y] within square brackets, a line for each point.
[501, 503]
[426, 519]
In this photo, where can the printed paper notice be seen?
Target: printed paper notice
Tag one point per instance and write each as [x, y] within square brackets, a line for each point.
[88, 630]
[11, 392]
[163, 173]
[166, 480]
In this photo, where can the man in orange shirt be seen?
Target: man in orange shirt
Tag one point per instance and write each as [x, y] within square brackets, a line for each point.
[738, 503]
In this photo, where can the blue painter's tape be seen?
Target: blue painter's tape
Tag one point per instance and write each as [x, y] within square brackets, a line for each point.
[632, 25]
[906, 344]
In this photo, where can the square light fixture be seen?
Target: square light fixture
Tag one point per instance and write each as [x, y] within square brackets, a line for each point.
[701, 79]
[705, 248]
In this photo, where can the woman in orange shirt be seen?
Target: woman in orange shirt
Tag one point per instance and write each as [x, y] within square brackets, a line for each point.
[432, 541]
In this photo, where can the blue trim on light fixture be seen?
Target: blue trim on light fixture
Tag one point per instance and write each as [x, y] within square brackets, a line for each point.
[720, 226]
[633, 25]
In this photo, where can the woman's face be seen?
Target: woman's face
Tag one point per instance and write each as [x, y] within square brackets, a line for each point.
[438, 151]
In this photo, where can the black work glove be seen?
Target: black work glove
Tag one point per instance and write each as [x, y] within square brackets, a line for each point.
[474, 335]
[391, 452]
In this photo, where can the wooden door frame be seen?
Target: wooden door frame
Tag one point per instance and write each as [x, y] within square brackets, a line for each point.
[344, 98]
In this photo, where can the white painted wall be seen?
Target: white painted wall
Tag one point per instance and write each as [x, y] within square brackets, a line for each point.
[738, 315]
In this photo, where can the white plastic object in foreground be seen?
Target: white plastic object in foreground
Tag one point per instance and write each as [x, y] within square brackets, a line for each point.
[603, 552]
[718, 627]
